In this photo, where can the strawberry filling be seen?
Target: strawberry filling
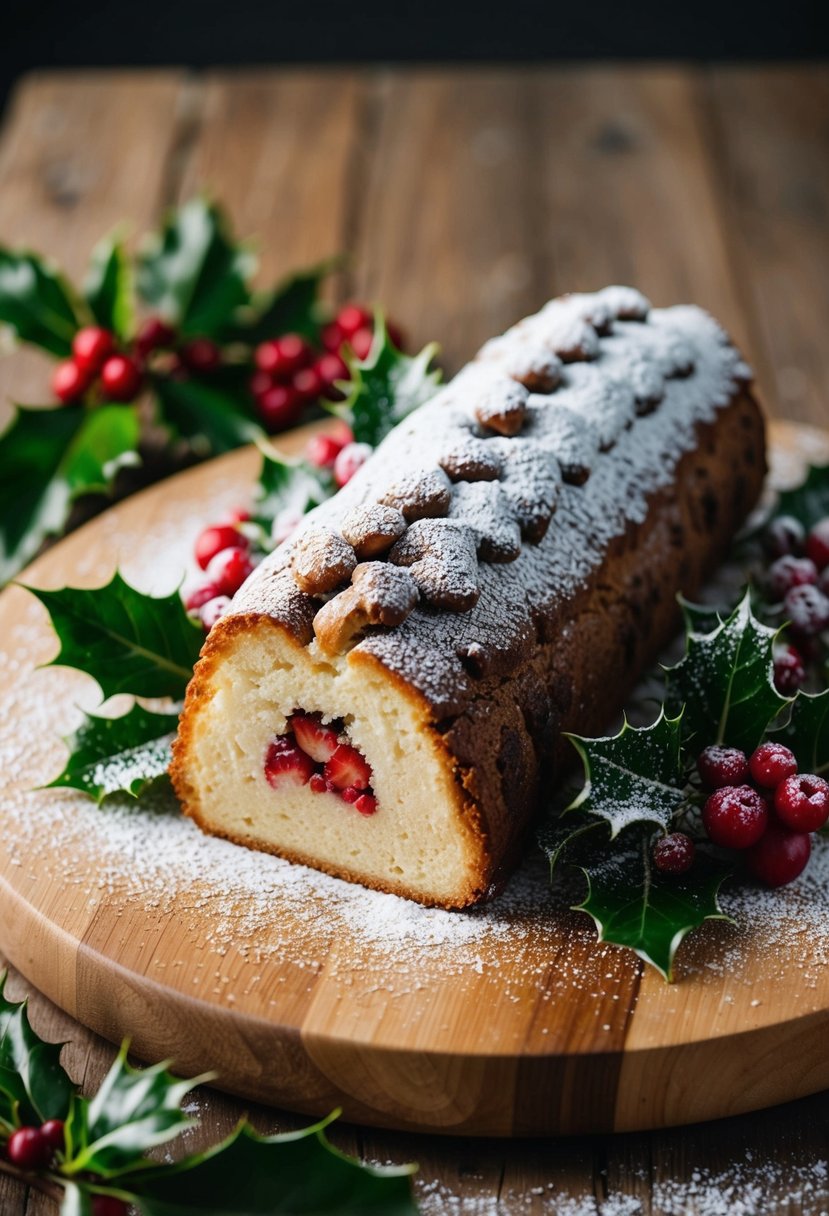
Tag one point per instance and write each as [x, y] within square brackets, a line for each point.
[319, 754]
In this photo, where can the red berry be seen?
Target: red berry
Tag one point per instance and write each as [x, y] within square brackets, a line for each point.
[280, 407]
[788, 572]
[120, 378]
[54, 1133]
[780, 856]
[108, 1205]
[212, 540]
[351, 458]
[332, 337]
[199, 596]
[287, 765]
[69, 382]
[201, 355]
[331, 368]
[789, 670]
[808, 610]
[154, 334]
[770, 764]
[308, 384]
[817, 544]
[322, 450]
[350, 794]
[259, 384]
[735, 817]
[353, 317]
[213, 611]
[29, 1149]
[361, 342]
[318, 783]
[229, 569]
[366, 804]
[802, 802]
[719, 766]
[91, 346]
[347, 767]
[784, 535]
[317, 740]
[266, 357]
[674, 853]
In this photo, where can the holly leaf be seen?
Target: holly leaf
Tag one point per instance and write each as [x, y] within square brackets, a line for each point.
[385, 387]
[33, 1085]
[191, 273]
[288, 485]
[808, 502]
[129, 642]
[283, 1175]
[633, 905]
[108, 288]
[807, 731]
[118, 755]
[633, 776]
[36, 303]
[218, 416]
[48, 459]
[291, 307]
[725, 681]
[133, 1111]
[699, 618]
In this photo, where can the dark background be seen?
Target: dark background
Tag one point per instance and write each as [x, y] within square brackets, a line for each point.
[198, 33]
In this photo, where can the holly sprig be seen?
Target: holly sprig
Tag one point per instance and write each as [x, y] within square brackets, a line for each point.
[90, 1153]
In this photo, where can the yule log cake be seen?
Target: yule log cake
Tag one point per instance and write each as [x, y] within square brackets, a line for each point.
[386, 697]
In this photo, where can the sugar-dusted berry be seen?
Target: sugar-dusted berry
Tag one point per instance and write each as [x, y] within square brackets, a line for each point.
[735, 817]
[771, 763]
[674, 853]
[719, 766]
[802, 802]
[808, 610]
[780, 856]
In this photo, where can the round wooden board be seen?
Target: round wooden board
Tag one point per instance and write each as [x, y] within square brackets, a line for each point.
[308, 993]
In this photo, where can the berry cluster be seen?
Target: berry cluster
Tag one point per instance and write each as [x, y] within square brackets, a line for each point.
[227, 552]
[291, 373]
[318, 754]
[762, 806]
[118, 374]
[36, 1148]
[797, 580]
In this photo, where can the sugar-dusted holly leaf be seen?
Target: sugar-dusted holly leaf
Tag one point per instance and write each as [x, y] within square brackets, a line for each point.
[49, 458]
[699, 618]
[561, 836]
[192, 273]
[283, 1175]
[133, 1111]
[385, 387]
[288, 485]
[33, 1085]
[36, 303]
[808, 502]
[118, 755]
[633, 905]
[633, 776]
[725, 681]
[807, 731]
[217, 417]
[291, 307]
[108, 288]
[126, 640]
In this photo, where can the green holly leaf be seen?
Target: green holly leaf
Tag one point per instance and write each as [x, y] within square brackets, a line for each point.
[48, 459]
[633, 905]
[807, 732]
[192, 273]
[133, 1111]
[283, 1175]
[108, 288]
[808, 502]
[385, 387]
[118, 755]
[33, 1085]
[129, 642]
[633, 776]
[216, 416]
[292, 307]
[36, 303]
[725, 681]
[699, 618]
[288, 485]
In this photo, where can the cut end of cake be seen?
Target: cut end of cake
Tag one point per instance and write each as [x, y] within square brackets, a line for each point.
[284, 750]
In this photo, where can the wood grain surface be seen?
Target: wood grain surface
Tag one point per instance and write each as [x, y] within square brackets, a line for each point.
[468, 197]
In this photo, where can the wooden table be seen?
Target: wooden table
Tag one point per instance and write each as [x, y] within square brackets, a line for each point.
[467, 197]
